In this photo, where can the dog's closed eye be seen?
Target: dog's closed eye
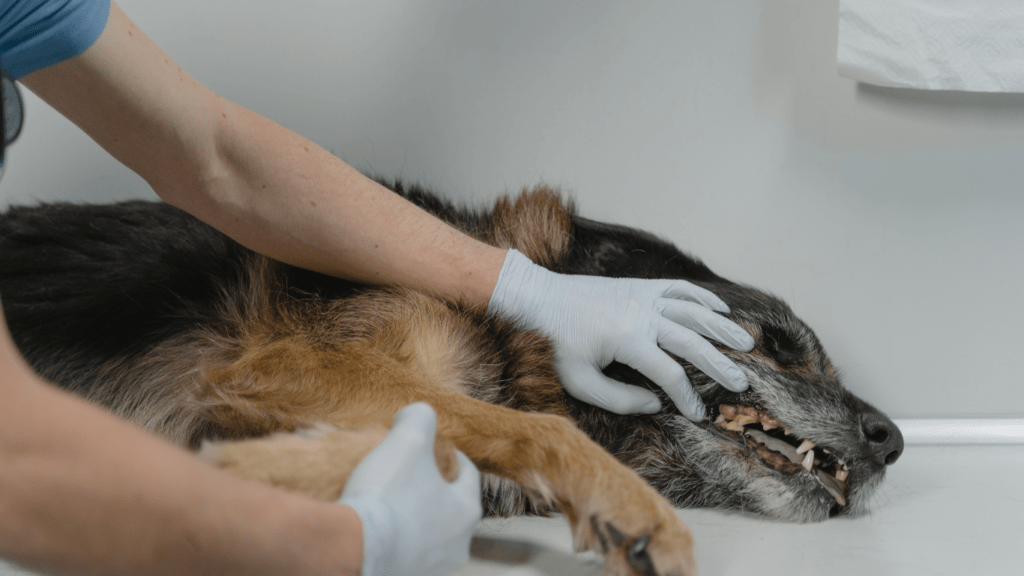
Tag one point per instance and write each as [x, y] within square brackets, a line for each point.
[780, 346]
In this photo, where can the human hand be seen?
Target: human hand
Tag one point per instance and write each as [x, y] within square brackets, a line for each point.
[414, 522]
[594, 320]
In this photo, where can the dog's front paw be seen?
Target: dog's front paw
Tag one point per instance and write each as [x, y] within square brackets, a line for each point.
[640, 541]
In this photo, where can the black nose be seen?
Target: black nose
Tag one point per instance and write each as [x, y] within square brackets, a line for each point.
[884, 441]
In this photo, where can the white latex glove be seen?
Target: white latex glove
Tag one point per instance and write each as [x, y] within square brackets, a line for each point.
[594, 320]
[414, 522]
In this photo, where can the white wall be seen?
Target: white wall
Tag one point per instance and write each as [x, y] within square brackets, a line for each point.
[890, 220]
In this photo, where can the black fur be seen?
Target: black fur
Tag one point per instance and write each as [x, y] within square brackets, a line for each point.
[84, 286]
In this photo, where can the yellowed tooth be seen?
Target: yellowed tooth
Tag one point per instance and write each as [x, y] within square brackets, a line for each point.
[808, 462]
[734, 426]
[745, 419]
[769, 422]
[805, 446]
[842, 475]
[727, 410]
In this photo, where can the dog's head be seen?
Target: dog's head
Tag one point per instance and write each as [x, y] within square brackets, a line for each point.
[797, 445]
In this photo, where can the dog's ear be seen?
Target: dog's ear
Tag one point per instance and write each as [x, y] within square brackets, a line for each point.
[537, 223]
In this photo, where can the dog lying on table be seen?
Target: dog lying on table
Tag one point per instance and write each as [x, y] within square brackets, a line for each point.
[291, 377]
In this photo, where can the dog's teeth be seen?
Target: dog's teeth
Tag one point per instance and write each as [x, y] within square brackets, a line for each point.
[842, 475]
[744, 419]
[808, 462]
[727, 410]
[787, 430]
[734, 425]
[720, 420]
[805, 446]
[769, 423]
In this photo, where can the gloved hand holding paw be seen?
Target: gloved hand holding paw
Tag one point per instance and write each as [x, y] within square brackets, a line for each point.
[414, 522]
[595, 320]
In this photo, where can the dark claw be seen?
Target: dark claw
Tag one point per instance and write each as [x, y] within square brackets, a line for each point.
[639, 559]
[617, 537]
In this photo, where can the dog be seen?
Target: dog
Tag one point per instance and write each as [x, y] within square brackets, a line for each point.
[290, 377]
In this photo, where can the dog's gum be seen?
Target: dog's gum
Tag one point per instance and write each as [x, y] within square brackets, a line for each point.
[750, 411]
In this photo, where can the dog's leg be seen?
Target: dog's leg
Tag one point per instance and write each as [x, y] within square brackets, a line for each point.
[314, 461]
[309, 415]
[610, 508]
[288, 385]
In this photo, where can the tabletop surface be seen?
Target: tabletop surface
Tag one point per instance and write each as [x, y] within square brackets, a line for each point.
[941, 510]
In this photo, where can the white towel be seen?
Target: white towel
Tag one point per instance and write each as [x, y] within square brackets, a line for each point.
[972, 45]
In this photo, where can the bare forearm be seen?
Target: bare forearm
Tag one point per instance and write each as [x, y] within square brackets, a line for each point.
[82, 492]
[263, 185]
[283, 196]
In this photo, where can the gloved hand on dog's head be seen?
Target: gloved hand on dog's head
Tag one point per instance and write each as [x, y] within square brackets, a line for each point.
[595, 320]
[414, 522]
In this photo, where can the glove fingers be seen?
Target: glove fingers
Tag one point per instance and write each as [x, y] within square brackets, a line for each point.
[462, 510]
[412, 433]
[469, 476]
[587, 383]
[687, 400]
[417, 418]
[467, 490]
[690, 346]
[664, 371]
[705, 322]
[683, 290]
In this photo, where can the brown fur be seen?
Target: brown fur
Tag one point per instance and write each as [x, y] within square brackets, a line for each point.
[293, 367]
[535, 223]
[288, 377]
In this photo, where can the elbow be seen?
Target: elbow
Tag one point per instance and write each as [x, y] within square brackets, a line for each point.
[202, 180]
[188, 183]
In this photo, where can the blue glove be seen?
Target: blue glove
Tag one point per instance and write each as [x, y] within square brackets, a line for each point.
[594, 320]
[414, 522]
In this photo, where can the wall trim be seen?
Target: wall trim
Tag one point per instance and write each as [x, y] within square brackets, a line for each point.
[961, 430]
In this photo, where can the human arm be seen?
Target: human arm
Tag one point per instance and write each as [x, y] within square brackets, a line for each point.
[265, 186]
[82, 492]
[279, 194]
